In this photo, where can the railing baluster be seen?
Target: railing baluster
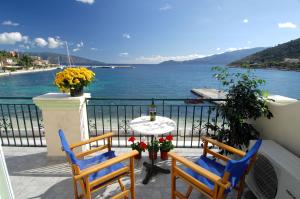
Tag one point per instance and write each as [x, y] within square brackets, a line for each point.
[193, 126]
[178, 107]
[18, 126]
[102, 118]
[200, 126]
[185, 117]
[140, 116]
[38, 123]
[11, 124]
[95, 120]
[5, 125]
[110, 125]
[208, 119]
[25, 126]
[30, 118]
[118, 123]
[125, 117]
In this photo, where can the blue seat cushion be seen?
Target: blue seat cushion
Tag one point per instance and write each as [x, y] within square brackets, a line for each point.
[210, 165]
[86, 163]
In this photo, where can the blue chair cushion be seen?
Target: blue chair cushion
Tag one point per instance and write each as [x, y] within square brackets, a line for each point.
[236, 168]
[210, 165]
[86, 163]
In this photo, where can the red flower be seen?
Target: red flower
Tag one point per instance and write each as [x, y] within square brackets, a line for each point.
[161, 140]
[131, 139]
[169, 137]
[143, 145]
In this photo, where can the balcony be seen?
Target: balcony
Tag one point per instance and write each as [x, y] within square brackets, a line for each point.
[35, 175]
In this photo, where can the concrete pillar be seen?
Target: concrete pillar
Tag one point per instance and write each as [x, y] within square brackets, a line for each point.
[60, 111]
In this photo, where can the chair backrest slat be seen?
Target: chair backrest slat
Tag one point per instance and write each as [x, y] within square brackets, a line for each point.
[66, 147]
[237, 168]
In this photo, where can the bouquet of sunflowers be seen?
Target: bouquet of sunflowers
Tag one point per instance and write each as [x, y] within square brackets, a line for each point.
[73, 80]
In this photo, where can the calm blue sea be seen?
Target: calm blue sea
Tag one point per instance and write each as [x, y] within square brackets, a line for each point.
[148, 81]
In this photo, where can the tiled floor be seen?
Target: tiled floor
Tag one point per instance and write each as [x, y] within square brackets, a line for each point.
[33, 175]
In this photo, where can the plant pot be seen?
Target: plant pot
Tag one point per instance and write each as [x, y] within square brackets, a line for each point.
[152, 155]
[76, 92]
[164, 155]
[138, 156]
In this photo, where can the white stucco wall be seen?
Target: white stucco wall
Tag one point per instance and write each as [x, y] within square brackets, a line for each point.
[284, 127]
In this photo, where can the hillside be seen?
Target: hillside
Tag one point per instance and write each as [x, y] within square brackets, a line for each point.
[54, 57]
[283, 56]
[224, 58]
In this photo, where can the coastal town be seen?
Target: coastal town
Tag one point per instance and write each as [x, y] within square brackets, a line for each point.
[13, 62]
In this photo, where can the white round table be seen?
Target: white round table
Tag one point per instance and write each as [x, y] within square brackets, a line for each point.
[144, 126]
[160, 126]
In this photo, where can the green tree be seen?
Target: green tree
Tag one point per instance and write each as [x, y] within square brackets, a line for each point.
[244, 100]
[25, 61]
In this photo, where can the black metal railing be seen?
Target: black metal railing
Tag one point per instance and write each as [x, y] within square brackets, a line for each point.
[21, 123]
[192, 117]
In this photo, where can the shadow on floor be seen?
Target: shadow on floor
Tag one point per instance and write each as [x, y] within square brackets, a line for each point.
[37, 164]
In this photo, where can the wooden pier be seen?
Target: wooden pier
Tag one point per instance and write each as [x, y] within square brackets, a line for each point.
[210, 93]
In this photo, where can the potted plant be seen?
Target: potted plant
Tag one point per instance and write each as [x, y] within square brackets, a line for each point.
[73, 80]
[165, 146]
[245, 101]
[139, 146]
[153, 148]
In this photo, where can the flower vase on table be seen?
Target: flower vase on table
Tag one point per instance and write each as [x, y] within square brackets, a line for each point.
[76, 92]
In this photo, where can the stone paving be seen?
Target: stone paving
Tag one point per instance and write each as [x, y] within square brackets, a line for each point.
[34, 176]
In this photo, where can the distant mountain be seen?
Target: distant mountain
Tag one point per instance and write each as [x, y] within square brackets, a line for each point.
[284, 56]
[224, 58]
[63, 59]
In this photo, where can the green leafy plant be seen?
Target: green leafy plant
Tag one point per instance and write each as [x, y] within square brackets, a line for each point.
[153, 146]
[166, 143]
[244, 101]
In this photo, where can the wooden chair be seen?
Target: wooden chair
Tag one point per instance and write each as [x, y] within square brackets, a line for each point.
[101, 170]
[209, 176]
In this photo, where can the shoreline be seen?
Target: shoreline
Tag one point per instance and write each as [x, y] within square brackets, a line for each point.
[26, 71]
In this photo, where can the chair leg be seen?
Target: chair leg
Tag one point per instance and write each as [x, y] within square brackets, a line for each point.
[173, 180]
[241, 187]
[132, 179]
[189, 191]
[123, 188]
[76, 196]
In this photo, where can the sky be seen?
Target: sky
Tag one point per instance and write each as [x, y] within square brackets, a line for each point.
[146, 31]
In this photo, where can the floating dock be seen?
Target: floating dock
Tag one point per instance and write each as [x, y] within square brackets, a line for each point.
[210, 93]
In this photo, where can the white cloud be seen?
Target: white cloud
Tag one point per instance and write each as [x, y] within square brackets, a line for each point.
[287, 25]
[245, 21]
[126, 35]
[218, 49]
[78, 46]
[86, 1]
[76, 49]
[9, 23]
[166, 7]
[159, 58]
[234, 49]
[12, 38]
[124, 54]
[95, 49]
[41, 42]
[27, 47]
[54, 42]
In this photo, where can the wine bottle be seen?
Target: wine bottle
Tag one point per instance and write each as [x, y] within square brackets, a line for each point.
[152, 111]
